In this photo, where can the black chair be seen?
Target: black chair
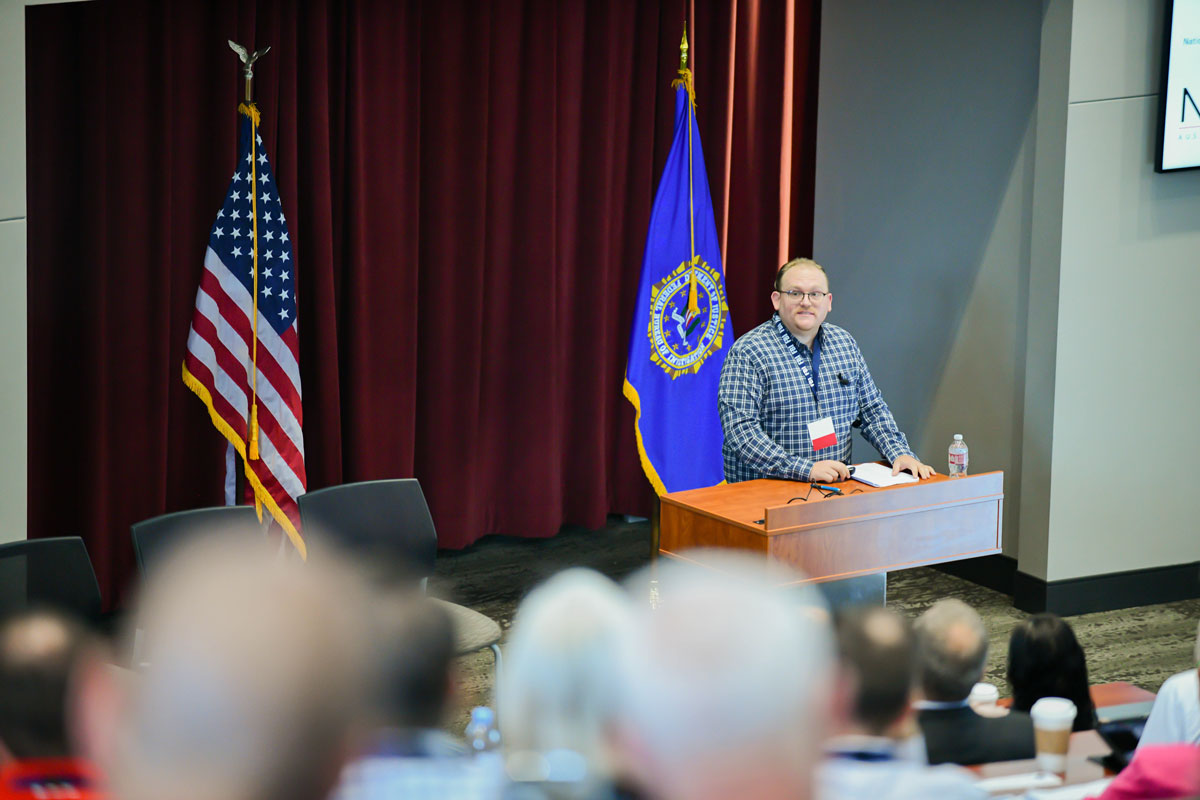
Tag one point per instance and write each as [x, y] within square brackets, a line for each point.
[55, 573]
[156, 537]
[387, 524]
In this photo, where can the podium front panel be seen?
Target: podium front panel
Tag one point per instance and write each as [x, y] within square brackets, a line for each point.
[863, 531]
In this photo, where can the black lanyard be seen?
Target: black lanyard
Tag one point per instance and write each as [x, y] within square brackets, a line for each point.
[863, 755]
[812, 374]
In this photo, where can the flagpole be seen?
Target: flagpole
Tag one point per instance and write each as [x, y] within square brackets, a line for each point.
[252, 451]
[693, 306]
[272, 456]
[683, 70]
[251, 111]
[686, 81]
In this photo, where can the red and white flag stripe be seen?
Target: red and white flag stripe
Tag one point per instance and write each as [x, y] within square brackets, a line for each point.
[218, 361]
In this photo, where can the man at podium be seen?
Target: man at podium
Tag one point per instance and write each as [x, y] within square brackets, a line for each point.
[793, 387]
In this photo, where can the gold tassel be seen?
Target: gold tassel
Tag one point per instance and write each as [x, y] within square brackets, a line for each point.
[251, 111]
[254, 432]
[693, 305]
[685, 80]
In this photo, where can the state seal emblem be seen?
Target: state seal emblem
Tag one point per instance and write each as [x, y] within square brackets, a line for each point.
[681, 339]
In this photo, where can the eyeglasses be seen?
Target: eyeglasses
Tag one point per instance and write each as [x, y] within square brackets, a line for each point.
[797, 295]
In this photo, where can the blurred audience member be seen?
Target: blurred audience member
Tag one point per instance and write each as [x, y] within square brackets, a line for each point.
[1175, 716]
[415, 646]
[409, 755]
[952, 651]
[728, 681]
[559, 691]
[865, 760]
[1158, 771]
[1045, 660]
[256, 665]
[40, 654]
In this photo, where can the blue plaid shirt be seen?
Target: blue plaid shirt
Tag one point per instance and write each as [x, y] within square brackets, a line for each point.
[766, 404]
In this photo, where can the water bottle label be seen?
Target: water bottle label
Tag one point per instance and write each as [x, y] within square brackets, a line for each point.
[958, 459]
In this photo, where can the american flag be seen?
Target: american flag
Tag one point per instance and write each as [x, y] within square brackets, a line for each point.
[221, 347]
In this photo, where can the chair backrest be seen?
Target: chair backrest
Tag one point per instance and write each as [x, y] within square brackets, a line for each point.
[156, 537]
[386, 522]
[55, 572]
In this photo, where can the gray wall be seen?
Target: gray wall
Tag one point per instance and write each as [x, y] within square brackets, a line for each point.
[1122, 485]
[1013, 267]
[923, 212]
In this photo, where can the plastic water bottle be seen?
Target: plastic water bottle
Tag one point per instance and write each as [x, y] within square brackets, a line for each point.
[482, 734]
[958, 457]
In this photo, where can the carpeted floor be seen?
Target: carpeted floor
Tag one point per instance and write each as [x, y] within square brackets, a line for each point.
[1143, 645]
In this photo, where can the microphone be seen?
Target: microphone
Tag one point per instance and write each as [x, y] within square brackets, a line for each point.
[843, 380]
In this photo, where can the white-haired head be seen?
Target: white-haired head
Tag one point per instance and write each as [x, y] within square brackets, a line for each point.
[951, 649]
[559, 688]
[727, 679]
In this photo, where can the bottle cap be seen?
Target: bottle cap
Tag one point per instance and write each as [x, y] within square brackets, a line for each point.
[482, 714]
[958, 436]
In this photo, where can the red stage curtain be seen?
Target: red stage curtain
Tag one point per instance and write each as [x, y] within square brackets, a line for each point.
[468, 186]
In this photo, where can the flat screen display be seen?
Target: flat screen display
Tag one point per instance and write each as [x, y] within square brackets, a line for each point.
[1179, 120]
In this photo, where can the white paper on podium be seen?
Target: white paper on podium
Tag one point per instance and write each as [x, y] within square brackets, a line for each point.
[873, 474]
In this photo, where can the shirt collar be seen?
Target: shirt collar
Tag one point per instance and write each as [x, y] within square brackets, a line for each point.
[861, 747]
[935, 705]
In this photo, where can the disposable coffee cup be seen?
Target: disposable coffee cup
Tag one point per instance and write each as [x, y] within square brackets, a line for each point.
[983, 694]
[1053, 718]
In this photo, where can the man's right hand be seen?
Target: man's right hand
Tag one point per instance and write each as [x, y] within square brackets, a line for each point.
[828, 472]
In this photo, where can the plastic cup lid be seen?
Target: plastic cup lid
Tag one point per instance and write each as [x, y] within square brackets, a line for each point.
[1053, 708]
[984, 692]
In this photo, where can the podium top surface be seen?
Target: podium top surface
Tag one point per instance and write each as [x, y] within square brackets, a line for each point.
[763, 505]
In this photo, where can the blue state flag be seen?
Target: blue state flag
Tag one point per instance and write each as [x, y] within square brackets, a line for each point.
[681, 329]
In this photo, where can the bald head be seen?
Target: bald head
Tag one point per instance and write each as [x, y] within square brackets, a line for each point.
[952, 650]
[255, 667]
[38, 654]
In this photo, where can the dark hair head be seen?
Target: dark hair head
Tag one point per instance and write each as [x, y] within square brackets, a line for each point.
[418, 647]
[1045, 660]
[39, 650]
[876, 644]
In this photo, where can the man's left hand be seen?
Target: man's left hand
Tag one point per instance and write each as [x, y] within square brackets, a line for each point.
[914, 466]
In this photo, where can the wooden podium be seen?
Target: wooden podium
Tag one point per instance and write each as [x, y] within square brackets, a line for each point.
[864, 531]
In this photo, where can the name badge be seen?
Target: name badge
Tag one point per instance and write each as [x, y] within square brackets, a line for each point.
[822, 434]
